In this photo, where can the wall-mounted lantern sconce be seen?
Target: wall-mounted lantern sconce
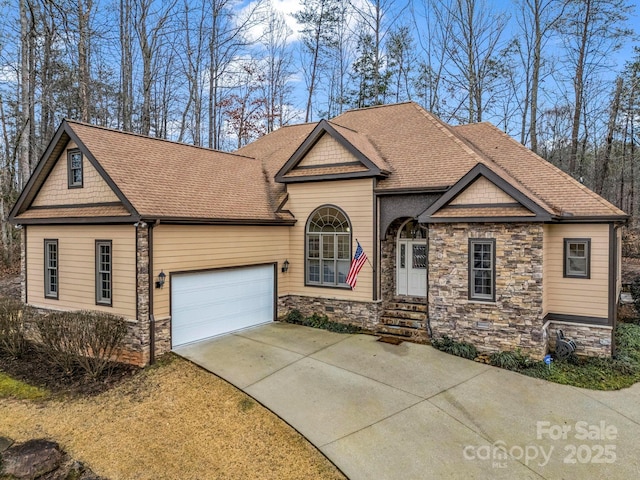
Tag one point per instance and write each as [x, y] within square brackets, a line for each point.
[285, 266]
[160, 279]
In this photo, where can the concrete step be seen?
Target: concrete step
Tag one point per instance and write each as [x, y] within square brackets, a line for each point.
[401, 322]
[409, 307]
[396, 331]
[406, 314]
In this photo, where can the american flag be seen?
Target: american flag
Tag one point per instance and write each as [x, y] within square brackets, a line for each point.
[356, 265]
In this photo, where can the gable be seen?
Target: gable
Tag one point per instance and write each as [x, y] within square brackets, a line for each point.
[483, 195]
[482, 192]
[327, 151]
[331, 152]
[55, 190]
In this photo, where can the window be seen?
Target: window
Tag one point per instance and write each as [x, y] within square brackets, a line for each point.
[328, 248]
[51, 268]
[482, 272]
[74, 169]
[103, 272]
[576, 257]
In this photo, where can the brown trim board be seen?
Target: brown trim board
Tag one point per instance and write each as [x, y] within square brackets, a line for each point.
[47, 159]
[76, 205]
[613, 277]
[26, 267]
[561, 317]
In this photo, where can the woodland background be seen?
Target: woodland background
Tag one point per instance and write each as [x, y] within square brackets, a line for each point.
[560, 76]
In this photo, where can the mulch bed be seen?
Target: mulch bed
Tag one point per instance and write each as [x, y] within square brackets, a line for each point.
[33, 368]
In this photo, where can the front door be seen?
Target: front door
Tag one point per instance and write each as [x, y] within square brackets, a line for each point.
[411, 266]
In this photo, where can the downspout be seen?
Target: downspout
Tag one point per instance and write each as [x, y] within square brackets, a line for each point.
[429, 331]
[613, 282]
[152, 320]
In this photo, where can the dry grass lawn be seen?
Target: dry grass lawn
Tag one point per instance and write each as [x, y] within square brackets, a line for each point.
[174, 421]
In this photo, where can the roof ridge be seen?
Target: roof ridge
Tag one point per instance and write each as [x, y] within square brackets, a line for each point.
[331, 122]
[369, 140]
[470, 147]
[560, 172]
[148, 137]
[371, 107]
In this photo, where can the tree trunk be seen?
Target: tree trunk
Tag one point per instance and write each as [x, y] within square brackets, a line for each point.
[578, 85]
[603, 169]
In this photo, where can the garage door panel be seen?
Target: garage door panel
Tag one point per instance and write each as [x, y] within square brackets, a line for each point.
[206, 304]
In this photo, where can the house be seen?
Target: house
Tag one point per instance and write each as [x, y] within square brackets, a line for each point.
[468, 234]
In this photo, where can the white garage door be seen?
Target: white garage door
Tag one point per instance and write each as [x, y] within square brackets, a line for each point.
[205, 304]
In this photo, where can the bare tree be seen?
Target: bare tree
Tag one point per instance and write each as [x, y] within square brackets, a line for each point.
[276, 65]
[592, 30]
[536, 20]
[126, 65]
[433, 29]
[149, 25]
[474, 64]
[319, 20]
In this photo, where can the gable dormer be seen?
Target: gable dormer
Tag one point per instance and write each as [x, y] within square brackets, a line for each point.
[481, 196]
[332, 152]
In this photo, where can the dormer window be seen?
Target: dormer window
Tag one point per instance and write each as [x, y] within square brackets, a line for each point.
[74, 168]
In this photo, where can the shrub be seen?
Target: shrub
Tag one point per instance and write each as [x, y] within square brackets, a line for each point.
[14, 317]
[319, 321]
[635, 294]
[294, 316]
[85, 340]
[460, 349]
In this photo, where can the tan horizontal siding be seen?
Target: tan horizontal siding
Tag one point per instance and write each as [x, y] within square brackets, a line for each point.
[178, 248]
[76, 267]
[576, 296]
[355, 198]
[55, 190]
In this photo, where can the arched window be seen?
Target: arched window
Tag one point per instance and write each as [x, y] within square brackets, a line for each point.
[328, 247]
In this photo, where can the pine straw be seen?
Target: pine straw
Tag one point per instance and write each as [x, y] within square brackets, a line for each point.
[174, 421]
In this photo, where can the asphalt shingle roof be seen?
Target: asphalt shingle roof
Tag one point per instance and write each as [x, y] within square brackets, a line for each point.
[163, 179]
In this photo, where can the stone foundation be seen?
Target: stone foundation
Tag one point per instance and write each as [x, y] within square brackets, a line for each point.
[361, 314]
[514, 320]
[162, 336]
[591, 340]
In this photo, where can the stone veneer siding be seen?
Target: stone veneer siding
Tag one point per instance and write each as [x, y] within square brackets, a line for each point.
[361, 314]
[515, 319]
[591, 340]
[137, 342]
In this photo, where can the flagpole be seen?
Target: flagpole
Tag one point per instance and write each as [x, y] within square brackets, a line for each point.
[368, 261]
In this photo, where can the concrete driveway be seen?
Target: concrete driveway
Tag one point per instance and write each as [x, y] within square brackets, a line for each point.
[406, 411]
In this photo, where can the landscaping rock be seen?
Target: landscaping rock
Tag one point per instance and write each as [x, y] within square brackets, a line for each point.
[5, 443]
[31, 459]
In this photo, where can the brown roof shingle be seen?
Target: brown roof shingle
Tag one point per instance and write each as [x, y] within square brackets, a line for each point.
[566, 195]
[165, 179]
